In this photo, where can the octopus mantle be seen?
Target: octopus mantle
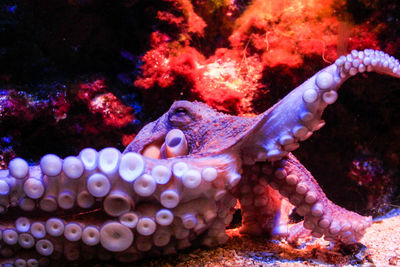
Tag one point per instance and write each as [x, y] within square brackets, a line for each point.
[176, 185]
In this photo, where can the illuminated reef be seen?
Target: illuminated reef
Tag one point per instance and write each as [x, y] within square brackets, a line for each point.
[177, 182]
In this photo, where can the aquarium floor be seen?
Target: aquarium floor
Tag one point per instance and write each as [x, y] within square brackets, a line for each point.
[380, 247]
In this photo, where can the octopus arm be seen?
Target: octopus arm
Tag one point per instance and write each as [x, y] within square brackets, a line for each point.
[321, 216]
[298, 115]
[111, 205]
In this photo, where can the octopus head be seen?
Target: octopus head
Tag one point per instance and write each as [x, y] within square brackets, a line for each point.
[206, 131]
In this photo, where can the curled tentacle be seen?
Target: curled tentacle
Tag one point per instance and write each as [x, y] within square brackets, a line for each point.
[298, 115]
[321, 216]
[147, 204]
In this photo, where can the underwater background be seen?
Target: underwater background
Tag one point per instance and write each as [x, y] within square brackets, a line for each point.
[88, 73]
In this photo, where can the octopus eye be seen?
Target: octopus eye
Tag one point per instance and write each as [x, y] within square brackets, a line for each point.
[181, 112]
[180, 117]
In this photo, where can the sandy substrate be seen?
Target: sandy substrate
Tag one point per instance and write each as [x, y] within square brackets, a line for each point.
[379, 247]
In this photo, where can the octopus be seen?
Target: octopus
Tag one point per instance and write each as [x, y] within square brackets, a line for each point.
[177, 183]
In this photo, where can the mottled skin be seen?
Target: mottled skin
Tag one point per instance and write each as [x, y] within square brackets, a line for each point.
[153, 199]
[210, 133]
[207, 131]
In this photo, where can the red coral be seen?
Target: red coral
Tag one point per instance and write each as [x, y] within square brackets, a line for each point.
[370, 175]
[127, 139]
[60, 106]
[114, 113]
[15, 104]
[368, 172]
[225, 63]
[86, 91]
[228, 80]
[169, 18]
[156, 70]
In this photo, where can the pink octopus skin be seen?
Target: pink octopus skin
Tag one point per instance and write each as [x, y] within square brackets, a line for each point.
[176, 185]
